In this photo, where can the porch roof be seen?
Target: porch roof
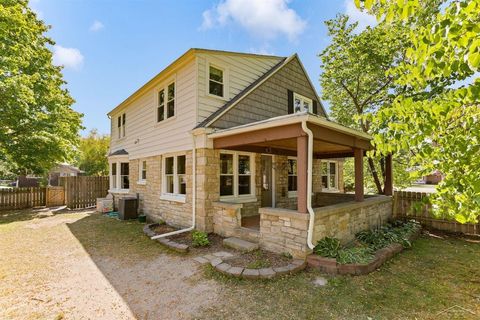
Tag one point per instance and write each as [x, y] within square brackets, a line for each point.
[279, 136]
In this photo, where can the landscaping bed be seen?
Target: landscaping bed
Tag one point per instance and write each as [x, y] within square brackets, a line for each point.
[258, 259]
[368, 252]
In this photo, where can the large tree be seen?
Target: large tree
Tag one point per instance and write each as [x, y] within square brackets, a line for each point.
[38, 127]
[438, 115]
[92, 154]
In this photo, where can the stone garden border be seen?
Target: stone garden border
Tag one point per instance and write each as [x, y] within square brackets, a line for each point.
[330, 265]
[222, 266]
[178, 247]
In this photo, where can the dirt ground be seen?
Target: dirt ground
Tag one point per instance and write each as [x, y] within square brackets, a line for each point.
[80, 265]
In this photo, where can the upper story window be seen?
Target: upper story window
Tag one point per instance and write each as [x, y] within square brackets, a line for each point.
[236, 175]
[329, 175]
[302, 104]
[166, 102]
[121, 120]
[216, 81]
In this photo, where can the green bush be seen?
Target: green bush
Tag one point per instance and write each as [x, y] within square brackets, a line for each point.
[397, 232]
[327, 247]
[200, 239]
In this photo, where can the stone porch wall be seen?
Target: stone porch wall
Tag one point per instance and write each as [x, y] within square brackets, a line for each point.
[283, 230]
[344, 220]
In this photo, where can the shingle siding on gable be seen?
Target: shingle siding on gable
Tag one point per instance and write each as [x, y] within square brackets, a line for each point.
[270, 99]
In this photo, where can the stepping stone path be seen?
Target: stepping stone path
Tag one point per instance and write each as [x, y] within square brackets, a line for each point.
[219, 260]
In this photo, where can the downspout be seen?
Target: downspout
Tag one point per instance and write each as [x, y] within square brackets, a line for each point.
[194, 195]
[309, 184]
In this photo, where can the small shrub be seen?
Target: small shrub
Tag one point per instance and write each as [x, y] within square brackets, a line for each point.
[360, 255]
[200, 239]
[397, 232]
[287, 255]
[327, 247]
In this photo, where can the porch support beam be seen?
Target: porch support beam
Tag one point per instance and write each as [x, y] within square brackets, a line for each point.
[263, 149]
[388, 175]
[302, 171]
[358, 154]
[331, 136]
[259, 136]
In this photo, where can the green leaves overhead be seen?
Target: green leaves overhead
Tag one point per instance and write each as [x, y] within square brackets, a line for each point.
[438, 115]
[37, 125]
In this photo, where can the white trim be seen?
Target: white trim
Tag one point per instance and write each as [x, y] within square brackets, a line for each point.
[175, 196]
[240, 197]
[328, 188]
[289, 119]
[118, 190]
[303, 99]
[164, 86]
[140, 171]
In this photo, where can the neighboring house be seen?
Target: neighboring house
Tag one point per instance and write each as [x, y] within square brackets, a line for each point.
[250, 127]
[62, 170]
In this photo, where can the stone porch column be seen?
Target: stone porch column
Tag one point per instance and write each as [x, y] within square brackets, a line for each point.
[302, 157]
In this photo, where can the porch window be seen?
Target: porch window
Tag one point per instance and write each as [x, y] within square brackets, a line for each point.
[216, 81]
[124, 182]
[302, 104]
[292, 175]
[236, 175]
[166, 102]
[329, 175]
[174, 177]
[114, 176]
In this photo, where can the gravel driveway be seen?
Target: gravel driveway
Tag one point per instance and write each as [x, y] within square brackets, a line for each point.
[80, 265]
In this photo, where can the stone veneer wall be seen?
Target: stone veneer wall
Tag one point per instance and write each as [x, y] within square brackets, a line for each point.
[344, 220]
[283, 230]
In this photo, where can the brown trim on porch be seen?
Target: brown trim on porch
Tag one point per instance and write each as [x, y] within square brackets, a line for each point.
[263, 149]
[302, 172]
[359, 196]
[258, 136]
[331, 136]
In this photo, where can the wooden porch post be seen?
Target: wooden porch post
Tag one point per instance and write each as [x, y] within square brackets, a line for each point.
[358, 153]
[302, 155]
[388, 190]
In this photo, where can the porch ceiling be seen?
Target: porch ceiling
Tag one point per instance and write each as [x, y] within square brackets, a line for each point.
[280, 137]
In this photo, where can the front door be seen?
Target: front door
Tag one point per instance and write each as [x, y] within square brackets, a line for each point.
[267, 181]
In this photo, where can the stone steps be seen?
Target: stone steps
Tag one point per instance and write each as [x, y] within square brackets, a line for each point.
[239, 244]
[248, 234]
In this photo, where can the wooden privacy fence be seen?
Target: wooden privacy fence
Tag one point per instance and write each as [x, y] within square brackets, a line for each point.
[408, 204]
[75, 192]
[22, 198]
[83, 191]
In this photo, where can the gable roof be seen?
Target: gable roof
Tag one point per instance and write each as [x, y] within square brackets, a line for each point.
[249, 89]
[190, 53]
[120, 152]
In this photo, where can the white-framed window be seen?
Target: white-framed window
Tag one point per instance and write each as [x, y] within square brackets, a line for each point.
[174, 177]
[142, 171]
[329, 175]
[237, 175]
[166, 102]
[113, 176]
[216, 81]
[121, 121]
[124, 172]
[292, 176]
[302, 104]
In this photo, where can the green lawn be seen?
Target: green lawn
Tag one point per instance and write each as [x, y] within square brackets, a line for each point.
[419, 283]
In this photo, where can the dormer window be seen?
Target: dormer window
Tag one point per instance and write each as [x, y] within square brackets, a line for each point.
[166, 102]
[302, 104]
[121, 125]
[216, 81]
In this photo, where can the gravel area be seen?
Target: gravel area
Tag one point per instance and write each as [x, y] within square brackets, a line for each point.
[81, 265]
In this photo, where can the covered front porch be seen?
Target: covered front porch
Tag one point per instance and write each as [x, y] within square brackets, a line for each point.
[282, 215]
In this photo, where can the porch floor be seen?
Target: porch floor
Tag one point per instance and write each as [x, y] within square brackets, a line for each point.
[252, 222]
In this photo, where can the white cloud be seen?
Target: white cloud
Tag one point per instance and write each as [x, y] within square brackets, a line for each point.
[68, 57]
[361, 17]
[96, 26]
[265, 19]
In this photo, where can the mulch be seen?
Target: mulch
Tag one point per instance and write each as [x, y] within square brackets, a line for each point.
[261, 258]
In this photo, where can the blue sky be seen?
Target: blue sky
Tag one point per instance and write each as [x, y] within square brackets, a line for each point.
[109, 48]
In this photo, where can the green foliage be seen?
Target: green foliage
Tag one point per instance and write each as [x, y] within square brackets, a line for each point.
[200, 239]
[437, 117]
[327, 247]
[398, 232]
[92, 154]
[360, 255]
[259, 264]
[38, 127]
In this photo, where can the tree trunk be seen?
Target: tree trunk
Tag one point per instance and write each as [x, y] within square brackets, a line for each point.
[375, 176]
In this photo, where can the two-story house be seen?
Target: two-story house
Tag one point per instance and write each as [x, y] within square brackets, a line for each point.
[237, 144]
